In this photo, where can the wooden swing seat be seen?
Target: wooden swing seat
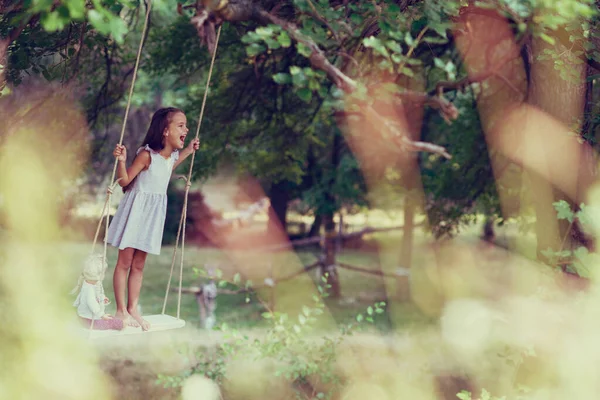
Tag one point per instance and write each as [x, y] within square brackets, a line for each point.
[158, 322]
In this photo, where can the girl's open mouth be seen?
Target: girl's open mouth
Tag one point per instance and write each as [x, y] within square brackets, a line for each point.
[182, 138]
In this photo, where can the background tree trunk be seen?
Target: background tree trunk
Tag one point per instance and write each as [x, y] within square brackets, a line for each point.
[328, 267]
[561, 94]
[329, 246]
[279, 198]
[315, 228]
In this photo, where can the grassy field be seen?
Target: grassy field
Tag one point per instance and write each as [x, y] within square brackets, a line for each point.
[358, 290]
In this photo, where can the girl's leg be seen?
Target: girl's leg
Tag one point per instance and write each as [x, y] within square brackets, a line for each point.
[135, 287]
[120, 282]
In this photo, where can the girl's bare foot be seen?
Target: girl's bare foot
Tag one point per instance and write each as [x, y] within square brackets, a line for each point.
[127, 319]
[141, 321]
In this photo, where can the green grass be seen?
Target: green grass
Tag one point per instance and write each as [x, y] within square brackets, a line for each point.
[359, 290]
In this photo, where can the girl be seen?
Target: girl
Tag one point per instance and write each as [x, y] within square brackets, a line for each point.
[137, 227]
[90, 301]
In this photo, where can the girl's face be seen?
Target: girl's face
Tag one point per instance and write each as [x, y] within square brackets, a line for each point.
[176, 131]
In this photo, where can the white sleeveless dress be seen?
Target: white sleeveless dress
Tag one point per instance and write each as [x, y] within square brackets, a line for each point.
[140, 219]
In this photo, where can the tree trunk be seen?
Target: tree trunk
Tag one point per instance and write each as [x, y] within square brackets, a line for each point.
[279, 199]
[563, 99]
[408, 232]
[489, 41]
[340, 240]
[3, 62]
[328, 267]
[315, 228]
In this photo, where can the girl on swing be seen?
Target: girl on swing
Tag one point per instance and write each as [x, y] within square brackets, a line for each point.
[137, 227]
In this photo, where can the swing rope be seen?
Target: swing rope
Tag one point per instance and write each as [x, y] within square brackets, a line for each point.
[188, 184]
[112, 185]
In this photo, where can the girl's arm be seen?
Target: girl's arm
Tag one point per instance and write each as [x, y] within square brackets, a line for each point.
[185, 153]
[126, 175]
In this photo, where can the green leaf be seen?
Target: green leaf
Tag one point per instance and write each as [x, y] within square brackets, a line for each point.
[394, 46]
[370, 310]
[314, 85]
[267, 315]
[251, 37]
[584, 215]
[41, 5]
[306, 311]
[76, 8]
[305, 94]
[282, 78]
[264, 31]
[563, 210]
[255, 49]
[464, 395]
[236, 278]
[435, 40]
[377, 45]
[359, 317]
[356, 19]
[284, 39]
[547, 38]
[407, 71]
[298, 78]
[409, 39]
[394, 8]
[304, 50]
[52, 21]
[398, 58]
[581, 253]
[272, 43]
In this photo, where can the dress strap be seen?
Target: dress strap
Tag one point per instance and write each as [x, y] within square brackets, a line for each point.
[146, 147]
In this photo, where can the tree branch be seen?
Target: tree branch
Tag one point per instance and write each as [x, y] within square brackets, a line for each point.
[205, 21]
[491, 70]
[319, 60]
[315, 14]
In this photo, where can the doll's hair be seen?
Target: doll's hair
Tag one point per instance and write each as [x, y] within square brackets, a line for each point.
[94, 267]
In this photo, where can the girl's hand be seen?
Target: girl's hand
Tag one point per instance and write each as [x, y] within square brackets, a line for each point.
[194, 145]
[107, 316]
[120, 153]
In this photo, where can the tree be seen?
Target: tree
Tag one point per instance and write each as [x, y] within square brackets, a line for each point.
[371, 63]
